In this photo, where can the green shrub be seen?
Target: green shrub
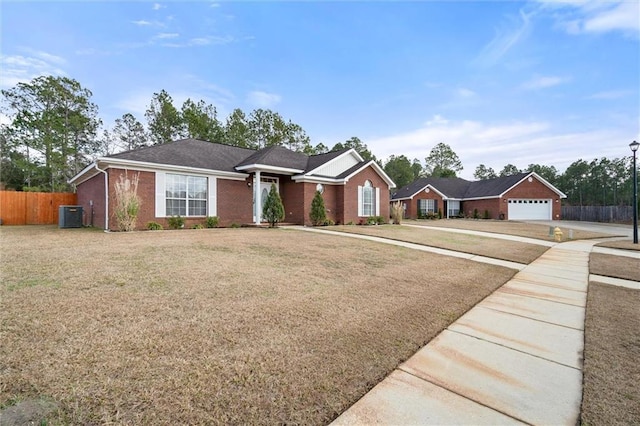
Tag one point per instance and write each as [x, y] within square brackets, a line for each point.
[176, 222]
[487, 215]
[154, 226]
[380, 220]
[212, 221]
[273, 210]
[318, 214]
[350, 223]
[328, 222]
[235, 225]
[198, 226]
[475, 214]
[439, 213]
[372, 220]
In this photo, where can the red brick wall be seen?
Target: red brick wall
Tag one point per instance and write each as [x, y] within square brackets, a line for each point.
[412, 205]
[146, 192]
[92, 190]
[235, 201]
[535, 189]
[350, 195]
[292, 194]
[495, 206]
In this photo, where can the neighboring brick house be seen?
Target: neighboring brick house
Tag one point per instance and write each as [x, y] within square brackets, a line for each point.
[195, 179]
[523, 196]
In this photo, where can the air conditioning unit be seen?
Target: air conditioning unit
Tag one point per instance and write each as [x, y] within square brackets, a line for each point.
[70, 217]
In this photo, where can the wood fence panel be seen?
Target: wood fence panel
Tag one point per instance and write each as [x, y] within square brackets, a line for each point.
[33, 208]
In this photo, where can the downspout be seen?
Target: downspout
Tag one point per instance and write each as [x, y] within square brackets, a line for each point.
[106, 197]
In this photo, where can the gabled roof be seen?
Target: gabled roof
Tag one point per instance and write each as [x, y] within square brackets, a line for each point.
[318, 160]
[275, 156]
[189, 153]
[226, 160]
[457, 188]
[448, 187]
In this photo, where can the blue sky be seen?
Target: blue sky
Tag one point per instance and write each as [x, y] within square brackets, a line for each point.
[500, 82]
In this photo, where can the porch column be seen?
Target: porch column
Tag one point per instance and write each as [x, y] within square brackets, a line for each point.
[258, 205]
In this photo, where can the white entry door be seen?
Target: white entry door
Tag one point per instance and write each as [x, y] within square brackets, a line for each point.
[265, 187]
[530, 209]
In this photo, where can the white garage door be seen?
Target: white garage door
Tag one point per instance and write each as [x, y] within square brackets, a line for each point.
[529, 209]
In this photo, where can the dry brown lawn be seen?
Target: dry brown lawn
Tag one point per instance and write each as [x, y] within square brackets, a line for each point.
[611, 393]
[622, 244]
[614, 266]
[485, 246]
[222, 326]
[522, 229]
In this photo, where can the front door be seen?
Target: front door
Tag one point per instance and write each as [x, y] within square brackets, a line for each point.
[264, 188]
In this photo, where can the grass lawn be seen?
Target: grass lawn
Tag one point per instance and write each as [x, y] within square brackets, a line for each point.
[485, 246]
[241, 326]
[614, 266]
[611, 393]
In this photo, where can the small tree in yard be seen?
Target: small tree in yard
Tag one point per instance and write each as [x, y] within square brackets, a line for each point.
[273, 210]
[127, 202]
[318, 215]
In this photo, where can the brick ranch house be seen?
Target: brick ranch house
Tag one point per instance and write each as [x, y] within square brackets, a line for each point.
[195, 179]
[523, 196]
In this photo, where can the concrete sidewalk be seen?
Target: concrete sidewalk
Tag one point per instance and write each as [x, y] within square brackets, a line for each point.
[516, 357]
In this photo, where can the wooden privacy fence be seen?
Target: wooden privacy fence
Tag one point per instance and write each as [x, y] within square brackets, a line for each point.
[33, 208]
[613, 214]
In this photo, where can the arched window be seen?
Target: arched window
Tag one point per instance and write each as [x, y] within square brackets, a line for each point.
[368, 199]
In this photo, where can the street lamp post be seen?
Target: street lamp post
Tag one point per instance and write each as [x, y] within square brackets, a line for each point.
[634, 147]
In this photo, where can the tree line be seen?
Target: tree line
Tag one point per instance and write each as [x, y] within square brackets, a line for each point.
[55, 131]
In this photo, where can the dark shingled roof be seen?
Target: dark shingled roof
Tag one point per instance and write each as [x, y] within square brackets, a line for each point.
[450, 187]
[318, 160]
[277, 156]
[190, 153]
[460, 188]
[351, 170]
[493, 187]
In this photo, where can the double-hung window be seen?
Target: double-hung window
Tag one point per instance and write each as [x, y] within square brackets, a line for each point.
[186, 195]
[427, 206]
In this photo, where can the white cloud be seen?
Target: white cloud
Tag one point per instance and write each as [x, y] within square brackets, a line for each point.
[465, 93]
[263, 99]
[611, 94]
[158, 6]
[595, 16]
[496, 144]
[543, 82]
[504, 40]
[22, 69]
[142, 23]
[161, 36]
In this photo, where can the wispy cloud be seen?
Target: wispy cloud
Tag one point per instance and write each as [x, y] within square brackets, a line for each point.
[158, 6]
[21, 69]
[505, 39]
[164, 36]
[611, 94]
[543, 82]
[464, 93]
[261, 99]
[201, 41]
[595, 16]
[496, 144]
[145, 23]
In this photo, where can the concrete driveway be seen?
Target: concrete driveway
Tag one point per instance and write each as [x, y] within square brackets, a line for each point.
[615, 229]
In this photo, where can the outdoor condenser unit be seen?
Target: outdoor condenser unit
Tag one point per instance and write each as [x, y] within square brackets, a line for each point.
[70, 217]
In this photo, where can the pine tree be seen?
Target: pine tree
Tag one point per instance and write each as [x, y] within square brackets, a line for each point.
[273, 210]
[318, 214]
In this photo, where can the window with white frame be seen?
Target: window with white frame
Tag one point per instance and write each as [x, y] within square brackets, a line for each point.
[186, 195]
[453, 207]
[368, 199]
[427, 206]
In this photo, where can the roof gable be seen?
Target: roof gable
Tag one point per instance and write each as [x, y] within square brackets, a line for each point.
[457, 188]
[275, 156]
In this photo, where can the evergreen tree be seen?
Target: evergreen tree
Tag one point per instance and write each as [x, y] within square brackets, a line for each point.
[273, 210]
[318, 214]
